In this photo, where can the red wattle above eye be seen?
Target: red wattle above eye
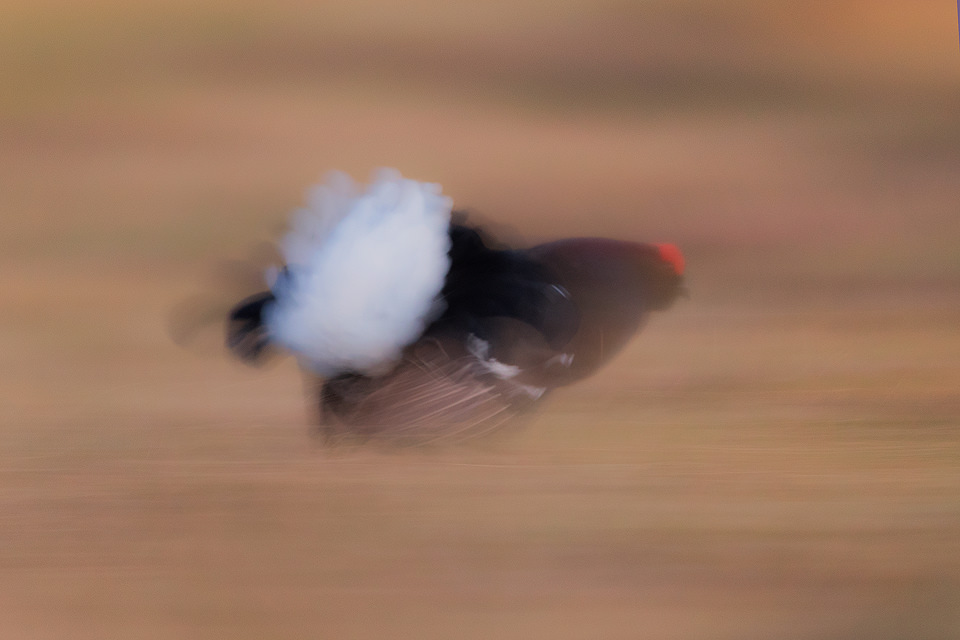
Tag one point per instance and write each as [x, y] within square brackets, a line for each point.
[671, 254]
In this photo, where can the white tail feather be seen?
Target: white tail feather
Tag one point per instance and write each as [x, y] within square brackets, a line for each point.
[365, 271]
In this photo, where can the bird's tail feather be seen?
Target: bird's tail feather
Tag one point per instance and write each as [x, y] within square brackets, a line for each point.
[247, 335]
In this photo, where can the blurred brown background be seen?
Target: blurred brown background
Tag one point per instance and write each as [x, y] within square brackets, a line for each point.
[777, 457]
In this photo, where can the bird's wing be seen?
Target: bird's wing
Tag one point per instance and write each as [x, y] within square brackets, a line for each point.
[441, 391]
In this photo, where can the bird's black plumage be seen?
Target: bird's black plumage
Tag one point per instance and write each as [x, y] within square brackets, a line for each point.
[246, 333]
[487, 282]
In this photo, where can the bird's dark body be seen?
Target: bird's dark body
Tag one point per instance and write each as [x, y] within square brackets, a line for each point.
[517, 324]
[615, 285]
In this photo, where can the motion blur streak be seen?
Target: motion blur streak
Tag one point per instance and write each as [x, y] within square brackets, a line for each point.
[777, 456]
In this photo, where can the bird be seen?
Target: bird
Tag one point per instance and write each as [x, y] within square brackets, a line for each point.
[414, 326]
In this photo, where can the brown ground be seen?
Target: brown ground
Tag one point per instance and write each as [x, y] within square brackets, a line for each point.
[777, 457]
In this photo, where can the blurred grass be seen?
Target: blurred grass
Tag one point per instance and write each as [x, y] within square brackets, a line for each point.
[776, 458]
